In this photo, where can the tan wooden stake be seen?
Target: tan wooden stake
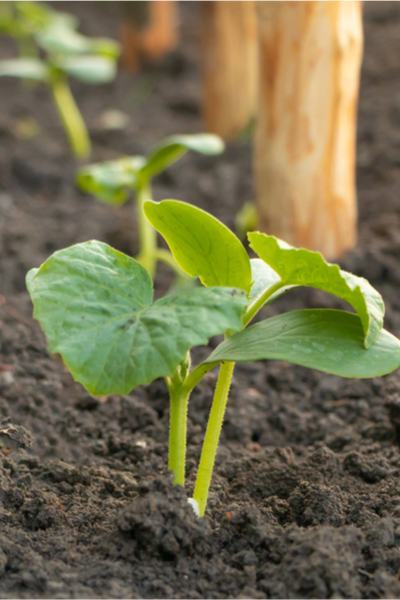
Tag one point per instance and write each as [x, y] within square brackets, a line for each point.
[149, 29]
[310, 56]
[229, 63]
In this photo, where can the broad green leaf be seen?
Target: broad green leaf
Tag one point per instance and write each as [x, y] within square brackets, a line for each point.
[175, 146]
[322, 339]
[26, 68]
[201, 245]
[303, 267]
[95, 307]
[110, 181]
[89, 68]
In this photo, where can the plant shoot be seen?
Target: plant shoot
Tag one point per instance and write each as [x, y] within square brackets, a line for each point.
[95, 306]
[112, 182]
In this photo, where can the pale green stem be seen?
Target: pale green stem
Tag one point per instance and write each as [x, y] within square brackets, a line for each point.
[218, 407]
[259, 303]
[147, 233]
[71, 117]
[211, 439]
[177, 433]
[167, 258]
[197, 375]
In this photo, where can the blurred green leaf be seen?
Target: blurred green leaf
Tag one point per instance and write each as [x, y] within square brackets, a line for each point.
[172, 148]
[60, 39]
[110, 181]
[25, 68]
[89, 69]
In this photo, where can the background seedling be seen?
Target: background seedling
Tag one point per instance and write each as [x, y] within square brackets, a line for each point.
[95, 306]
[67, 52]
[113, 181]
[23, 20]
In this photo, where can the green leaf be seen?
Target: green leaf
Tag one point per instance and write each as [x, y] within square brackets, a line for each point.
[201, 245]
[172, 148]
[110, 181]
[25, 68]
[89, 68]
[326, 340]
[303, 267]
[59, 38]
[95, 307]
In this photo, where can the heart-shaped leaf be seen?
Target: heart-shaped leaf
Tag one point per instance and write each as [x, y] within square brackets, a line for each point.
[25, 68]
[172, 148]
[300, 267]
[327, 340]
[201, 245]
[110, 181]
[95, 307]
[89, 68]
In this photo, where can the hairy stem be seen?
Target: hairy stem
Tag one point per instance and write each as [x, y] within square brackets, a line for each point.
[71, 117]
[177, 433]
[218, 407]
[147, 233]
[211, 439]
[197, 374]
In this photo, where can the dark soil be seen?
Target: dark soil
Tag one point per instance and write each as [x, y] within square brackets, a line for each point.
[305, 500]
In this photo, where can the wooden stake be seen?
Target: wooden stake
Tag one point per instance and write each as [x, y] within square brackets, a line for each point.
[229, 53]
[310, 56]
[148, 30]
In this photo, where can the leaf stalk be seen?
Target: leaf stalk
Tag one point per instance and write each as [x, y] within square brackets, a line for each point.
[147, 233]
[70, 115]
[213, 433]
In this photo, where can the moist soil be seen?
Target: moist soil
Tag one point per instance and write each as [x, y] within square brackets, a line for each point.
[305, 499]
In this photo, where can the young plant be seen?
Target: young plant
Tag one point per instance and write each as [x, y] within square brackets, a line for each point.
[95, 307]
[67, 52]
[113, 181]
[23, 20]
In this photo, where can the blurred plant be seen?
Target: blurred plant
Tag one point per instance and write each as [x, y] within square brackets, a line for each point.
[66, 52]
[23, 20]
[112, 181]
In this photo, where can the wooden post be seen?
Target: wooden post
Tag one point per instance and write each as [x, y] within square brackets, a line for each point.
[148, 30]
[229, 57]
[310, 56]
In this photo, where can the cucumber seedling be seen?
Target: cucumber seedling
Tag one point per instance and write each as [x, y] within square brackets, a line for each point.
[23, 20]
[66, 52]
[95, 307]
[113, 181]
